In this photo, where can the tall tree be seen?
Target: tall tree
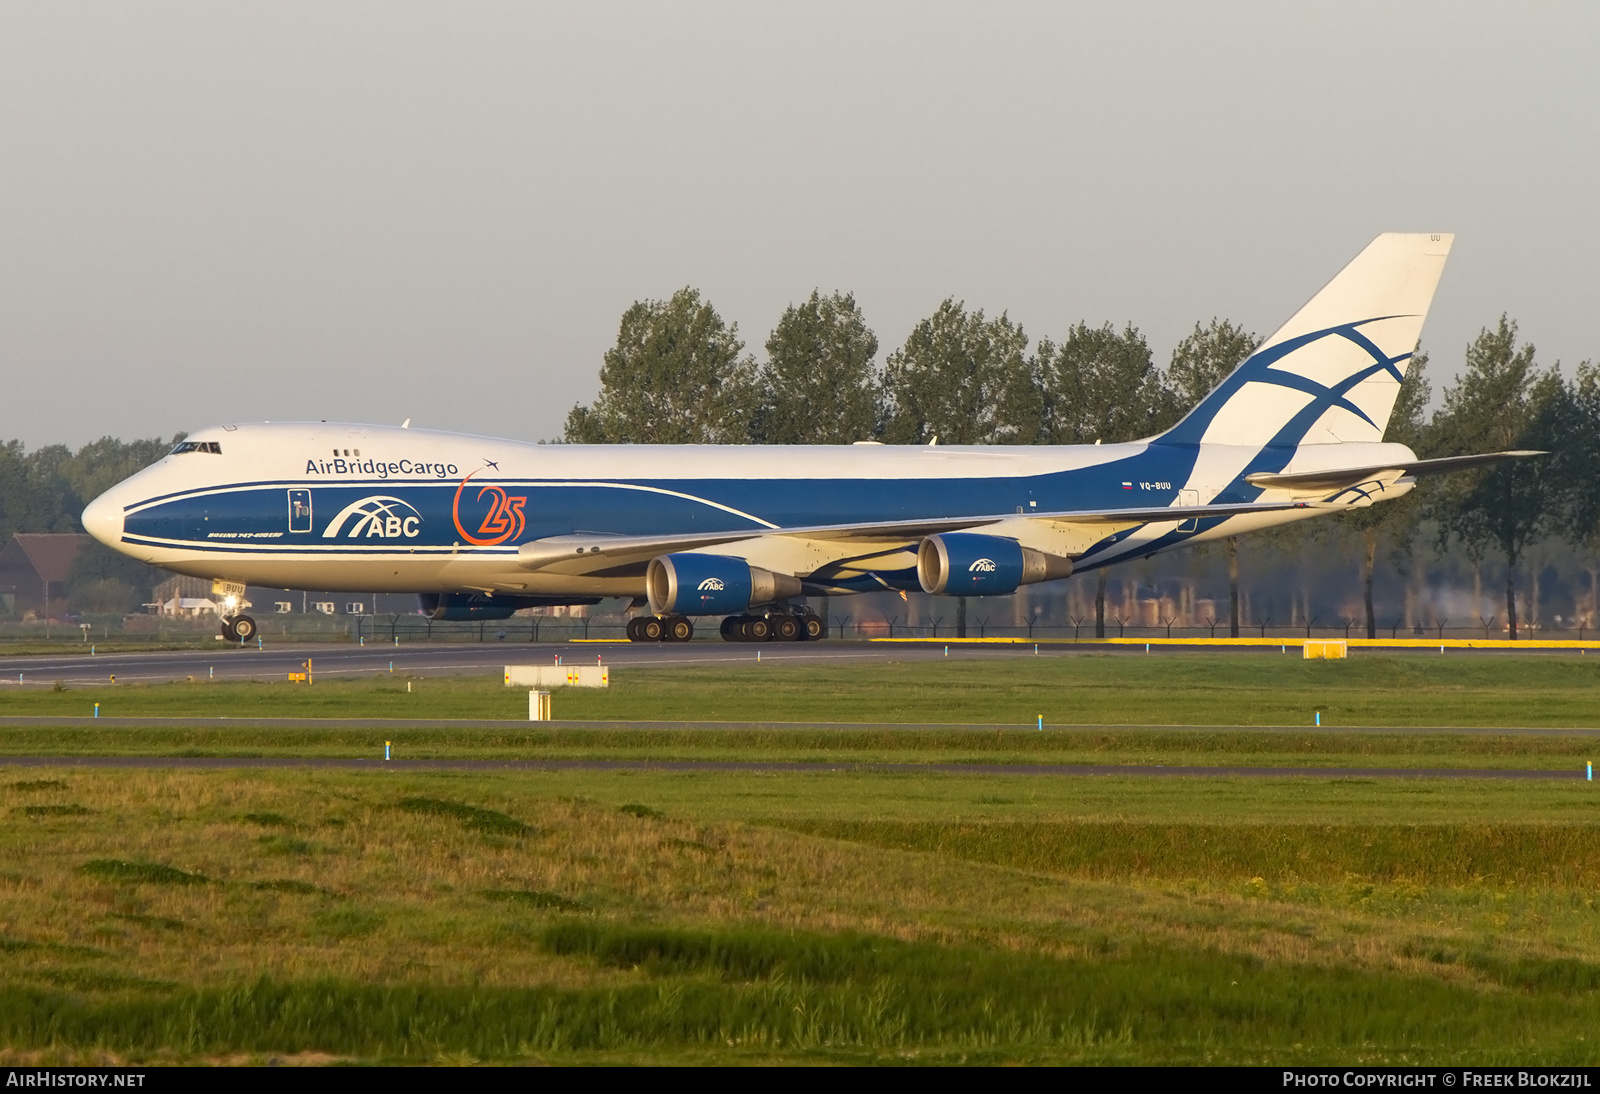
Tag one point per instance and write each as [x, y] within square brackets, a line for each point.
[952, 377]
[1199, 363]
[45, 490]
[677, 375]
[1502, 400]
[100, 465]
[1579, 462]
[1098, 385]
[35, 494]
[961, 379]
[821, 382]
[1394, 523]
[1205, 357]
[1101, 385]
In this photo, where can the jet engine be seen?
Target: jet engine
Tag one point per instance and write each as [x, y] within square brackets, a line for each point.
[968, 564]
[693, 584]
[476, 606]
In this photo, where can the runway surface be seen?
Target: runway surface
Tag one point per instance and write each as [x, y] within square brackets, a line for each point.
[791, 767]
[41, 720]
[452, 659]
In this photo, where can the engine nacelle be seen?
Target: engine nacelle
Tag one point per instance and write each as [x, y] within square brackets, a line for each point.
[694, 584]
[476, 606]
[968, 564]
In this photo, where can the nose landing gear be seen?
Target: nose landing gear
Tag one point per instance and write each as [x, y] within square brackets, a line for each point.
[238, 628]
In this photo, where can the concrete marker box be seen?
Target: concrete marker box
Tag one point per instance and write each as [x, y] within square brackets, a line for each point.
[558, 676]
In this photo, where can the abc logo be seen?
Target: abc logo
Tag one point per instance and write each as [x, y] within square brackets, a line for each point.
[982, 566]
[712, 585]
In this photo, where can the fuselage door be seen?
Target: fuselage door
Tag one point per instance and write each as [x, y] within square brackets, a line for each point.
[1189, 497]
[299, 510]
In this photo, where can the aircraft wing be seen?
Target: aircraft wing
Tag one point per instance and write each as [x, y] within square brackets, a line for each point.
[580, 548]
[1339, 477]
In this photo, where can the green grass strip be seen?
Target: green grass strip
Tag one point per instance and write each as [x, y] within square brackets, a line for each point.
[853, 996]
[1538, 855]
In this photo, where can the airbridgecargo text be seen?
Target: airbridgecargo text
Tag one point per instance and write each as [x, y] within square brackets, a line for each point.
[380, 469]
[1465, 1078]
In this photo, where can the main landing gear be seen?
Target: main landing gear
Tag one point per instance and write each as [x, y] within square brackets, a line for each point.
[238, 628]
[660, 628]
[797, 626]
[802, 625]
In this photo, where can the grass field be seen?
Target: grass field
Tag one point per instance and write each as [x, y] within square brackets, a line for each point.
[848, 916]
[1067, 689]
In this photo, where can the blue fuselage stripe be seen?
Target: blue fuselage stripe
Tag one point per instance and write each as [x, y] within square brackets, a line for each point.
[494, 516]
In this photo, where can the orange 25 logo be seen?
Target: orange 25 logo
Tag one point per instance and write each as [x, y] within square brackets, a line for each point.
[502, 522]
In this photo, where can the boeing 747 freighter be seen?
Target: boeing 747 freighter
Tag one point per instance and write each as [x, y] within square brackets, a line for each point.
[480, 528]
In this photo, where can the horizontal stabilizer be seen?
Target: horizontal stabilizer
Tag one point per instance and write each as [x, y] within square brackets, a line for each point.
[1339, 477]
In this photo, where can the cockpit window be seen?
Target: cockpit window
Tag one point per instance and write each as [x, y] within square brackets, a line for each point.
[212, 447]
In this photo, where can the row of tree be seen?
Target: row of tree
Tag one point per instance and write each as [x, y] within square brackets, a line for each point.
[45, 491]
[679, 374]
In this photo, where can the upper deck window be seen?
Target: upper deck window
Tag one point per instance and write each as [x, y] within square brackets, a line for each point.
[212, 447]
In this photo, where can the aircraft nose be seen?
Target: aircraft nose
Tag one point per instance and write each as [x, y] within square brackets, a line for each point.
[102, 519]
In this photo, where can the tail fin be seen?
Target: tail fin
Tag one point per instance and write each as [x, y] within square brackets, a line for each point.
[1332, 372]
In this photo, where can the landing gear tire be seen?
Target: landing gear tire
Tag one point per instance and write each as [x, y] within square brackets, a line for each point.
[812, 629]
[227, 631]
[785, 627]
[243, 629]
[657, 628]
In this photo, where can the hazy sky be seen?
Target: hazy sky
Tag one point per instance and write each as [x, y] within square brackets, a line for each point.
[378, 211]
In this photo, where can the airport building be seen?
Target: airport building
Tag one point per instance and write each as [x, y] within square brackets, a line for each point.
[33, 572]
